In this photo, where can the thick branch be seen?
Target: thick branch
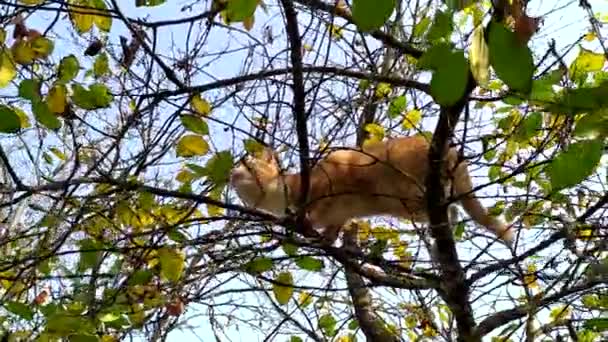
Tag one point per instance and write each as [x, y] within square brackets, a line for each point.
[299, 102]
[456, 289]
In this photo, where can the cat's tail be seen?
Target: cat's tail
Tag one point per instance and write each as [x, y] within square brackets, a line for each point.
[463, 190]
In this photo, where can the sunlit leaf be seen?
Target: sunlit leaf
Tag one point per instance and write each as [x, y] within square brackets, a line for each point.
[572, 166]
[511, 59]
[68, 68]
[102, 19]
[9, 120]
[283, 288]
[239, 10]
[192, 145]
[411, 119]
[7, 67]
[587, 61]
[479, 56]
[83, 22]
[172, 263]
[23, 118]
[529, 127]
[57, 98]
[200, 105]
[305, 299]
[370, 15]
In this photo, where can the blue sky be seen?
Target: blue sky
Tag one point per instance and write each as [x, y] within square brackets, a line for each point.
[563, 24]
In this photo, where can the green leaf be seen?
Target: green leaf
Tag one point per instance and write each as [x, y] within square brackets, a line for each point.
[449, 81]
[421, 27]
[370, 15]
[140, 277]
[252, 146]
[572, 166]
[194, 124]
[84, 338]
[284, 289]
[479, 56]
[44, 116]
[20, 309]
[295, 339]
[9, 120]
[591, 126]
[218, 168]
[97, 96]
[258, 265]
[442, 26]
[529, 127]
[327, 323]
[289, 249]
[149, 3]
[597, 324]
[42, 47]
[239, 10]
[29, 89]
[89, 255]
[172, 262]
[581, 100]
[511, 59]
[310, 264]
[68, 68]
[101, 65]
[397, 106]
[435, 56]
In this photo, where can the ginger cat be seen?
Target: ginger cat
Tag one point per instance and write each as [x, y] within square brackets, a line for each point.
[384, 178]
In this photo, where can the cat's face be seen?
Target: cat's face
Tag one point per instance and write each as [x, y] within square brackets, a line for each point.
[253, 173]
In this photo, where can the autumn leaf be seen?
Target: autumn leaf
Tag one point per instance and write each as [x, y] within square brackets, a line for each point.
[192, 145]
[7, 68]
[283, 287]
[200, 105]
[172, 262]
[57, 98]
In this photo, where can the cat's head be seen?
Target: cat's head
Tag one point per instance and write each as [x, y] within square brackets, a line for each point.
[253, 173]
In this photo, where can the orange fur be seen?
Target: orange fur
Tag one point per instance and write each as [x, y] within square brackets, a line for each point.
[385, 178]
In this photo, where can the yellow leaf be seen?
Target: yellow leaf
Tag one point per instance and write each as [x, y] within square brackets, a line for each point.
[560, 313]
[7, 68]
[248, 23]
[22, 52]
[102, 20]
[479, 56]
[56, 99]
[31, 2]
[411, 119]
[530, 276]
[200, 105]
[192, 145]
[83, 22]
[283, 292]
[172, 263]
[305, 299]
[25, 121]
[590, 36]
[383, 90]
[2, 36]
[184, 176]
[58, 153]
